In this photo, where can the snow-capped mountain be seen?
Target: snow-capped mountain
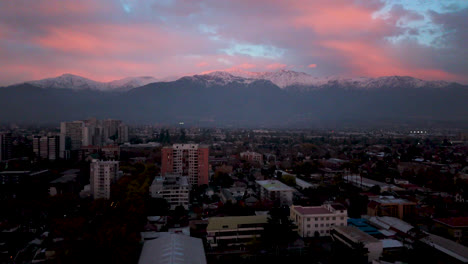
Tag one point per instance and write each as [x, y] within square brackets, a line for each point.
[220, 78]
[75, 82]
[286, 78]
[130, 83]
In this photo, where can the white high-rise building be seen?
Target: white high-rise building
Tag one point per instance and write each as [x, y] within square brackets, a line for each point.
[102, 175]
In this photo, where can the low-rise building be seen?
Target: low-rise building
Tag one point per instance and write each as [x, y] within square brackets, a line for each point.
[174, 189]
[274, 190]
[318, 220]
[234, 230]
[444, 250]
[252, 156]
[390, 206]
[170, 248]
[354, 238]
[457, 227]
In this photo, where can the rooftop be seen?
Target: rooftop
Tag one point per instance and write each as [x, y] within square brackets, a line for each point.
[390, 200]
[355, 234]
[454, 221]
[232, 222]
[173, 249]
[274, 185]
[447, 246]
[65, 178]
[311, 210]
[387, 222]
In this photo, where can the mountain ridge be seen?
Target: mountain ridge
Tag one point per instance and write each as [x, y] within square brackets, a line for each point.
[285, 79]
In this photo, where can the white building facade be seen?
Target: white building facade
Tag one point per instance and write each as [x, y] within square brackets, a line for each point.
[318, 220]
[102, 175]
[174, 189]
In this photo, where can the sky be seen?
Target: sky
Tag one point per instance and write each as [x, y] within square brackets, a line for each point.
[106, 40]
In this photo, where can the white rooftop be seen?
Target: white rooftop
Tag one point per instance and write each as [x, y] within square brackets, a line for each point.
[173, 249]
[274, 185]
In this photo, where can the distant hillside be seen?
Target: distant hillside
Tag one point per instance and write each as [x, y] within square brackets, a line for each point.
[223, 99]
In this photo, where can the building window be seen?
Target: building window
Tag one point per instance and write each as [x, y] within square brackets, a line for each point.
[316, 225]
[308, 225]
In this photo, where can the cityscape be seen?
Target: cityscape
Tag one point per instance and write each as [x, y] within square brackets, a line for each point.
[233, 132]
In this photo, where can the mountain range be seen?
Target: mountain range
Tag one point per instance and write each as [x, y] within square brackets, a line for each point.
[240, 98]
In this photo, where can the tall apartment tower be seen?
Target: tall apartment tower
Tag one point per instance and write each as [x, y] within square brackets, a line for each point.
[122, 134]
[71, 136]
[5, 146]
[186, 160]
[46, 147]
[102, 175]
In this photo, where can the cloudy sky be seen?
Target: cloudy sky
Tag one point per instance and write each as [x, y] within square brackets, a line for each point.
[111, 39]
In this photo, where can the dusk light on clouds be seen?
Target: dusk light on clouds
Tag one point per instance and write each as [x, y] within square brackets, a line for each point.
[112, 39]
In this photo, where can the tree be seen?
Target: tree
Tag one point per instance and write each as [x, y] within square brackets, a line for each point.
[279, 229]
[288, 180]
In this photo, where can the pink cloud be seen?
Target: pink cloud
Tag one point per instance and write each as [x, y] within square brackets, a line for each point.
[202, 64]
[312, 65]
[276, 66]
[246, 66]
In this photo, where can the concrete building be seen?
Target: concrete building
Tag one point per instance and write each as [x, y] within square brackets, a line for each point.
[457, 227]
[186, 159]
[318, 220]
[170, 248]
[390, 206]
[102, 175]
[5, 146]
[47, 147]
[71, 137]
[122, 134]
[354, 238]
[173, 188]
[252, 156]
[234, 230]
[366, 183]
[275, 191]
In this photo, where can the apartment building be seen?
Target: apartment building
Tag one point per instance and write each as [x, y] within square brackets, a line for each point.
[186, 159]
[275, 191]
[173, 188]
[252, 156]
[318, 220]
[102, 175]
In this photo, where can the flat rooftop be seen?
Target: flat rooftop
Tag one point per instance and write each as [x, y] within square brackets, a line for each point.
[232, 222]
[390, 200]
[461, 221]
[274, 185]
[311, 210]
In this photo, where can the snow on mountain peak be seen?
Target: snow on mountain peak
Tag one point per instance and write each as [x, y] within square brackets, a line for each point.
[287, 78]
[71, 81]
